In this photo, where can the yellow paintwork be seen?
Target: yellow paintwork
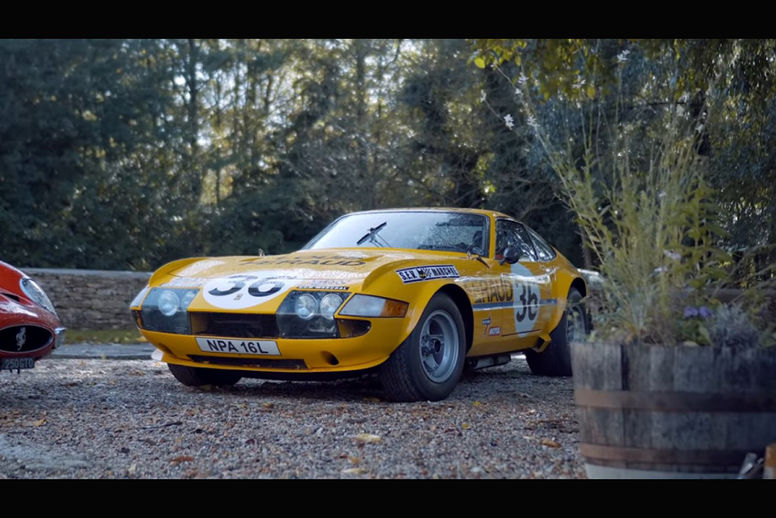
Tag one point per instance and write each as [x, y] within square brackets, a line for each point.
[490, 288]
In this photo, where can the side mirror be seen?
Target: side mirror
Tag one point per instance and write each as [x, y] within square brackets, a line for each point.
[511, 255]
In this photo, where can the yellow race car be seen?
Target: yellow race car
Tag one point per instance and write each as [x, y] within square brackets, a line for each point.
[414, 295]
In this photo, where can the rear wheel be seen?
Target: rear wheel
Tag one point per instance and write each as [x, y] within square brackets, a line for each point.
[195, 377]
[428, 365]
[555, 360]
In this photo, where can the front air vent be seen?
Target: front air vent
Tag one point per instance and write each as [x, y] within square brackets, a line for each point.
[20, 339]
[231, 325]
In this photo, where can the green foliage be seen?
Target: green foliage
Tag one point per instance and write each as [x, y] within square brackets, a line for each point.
[647, 229]
[77, 119]
[632, 162]
[130, 153]
[476, 160]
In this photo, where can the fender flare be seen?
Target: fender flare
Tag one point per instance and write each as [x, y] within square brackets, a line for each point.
[461, 300]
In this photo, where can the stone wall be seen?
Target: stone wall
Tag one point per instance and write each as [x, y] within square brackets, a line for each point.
[91, 299]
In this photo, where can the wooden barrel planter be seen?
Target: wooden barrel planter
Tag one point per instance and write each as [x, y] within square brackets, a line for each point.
[648, 411]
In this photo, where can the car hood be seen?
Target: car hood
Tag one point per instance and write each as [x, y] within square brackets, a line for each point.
[347, 266]
[333, 269]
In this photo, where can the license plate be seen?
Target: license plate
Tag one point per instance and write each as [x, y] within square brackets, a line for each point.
[233, 346]
[13, 364]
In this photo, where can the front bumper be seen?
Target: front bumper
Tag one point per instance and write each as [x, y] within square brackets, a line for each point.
[311, 355]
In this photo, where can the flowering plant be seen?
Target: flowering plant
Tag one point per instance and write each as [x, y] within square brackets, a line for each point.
[727, 325]
[692, 327]
[636, 179]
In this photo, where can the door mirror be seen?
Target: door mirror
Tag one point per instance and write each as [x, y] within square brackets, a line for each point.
[511, 255]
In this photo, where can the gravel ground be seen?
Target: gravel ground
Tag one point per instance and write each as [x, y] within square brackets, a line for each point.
[130, 419]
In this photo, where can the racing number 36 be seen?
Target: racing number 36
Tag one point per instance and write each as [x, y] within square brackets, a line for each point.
[259, 288]
[245, 290]
[529, 302]
[526, 307]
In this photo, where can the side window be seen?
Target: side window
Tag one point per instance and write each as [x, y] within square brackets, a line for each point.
[543, 250]
[513, 234]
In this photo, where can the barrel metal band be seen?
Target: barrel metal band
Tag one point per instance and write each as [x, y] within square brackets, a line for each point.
[675, 401]
[658, 456]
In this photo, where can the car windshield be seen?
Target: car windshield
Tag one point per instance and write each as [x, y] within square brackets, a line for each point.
[417, 230]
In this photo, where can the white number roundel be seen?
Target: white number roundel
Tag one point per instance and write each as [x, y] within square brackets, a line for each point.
[527, 295]
[244, 290]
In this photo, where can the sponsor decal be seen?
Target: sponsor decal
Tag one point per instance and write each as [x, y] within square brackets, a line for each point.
[427, 273]
[339, 275]
[518, 293]
[490, 293]
[322, 260]
[321, 285]
[490, 331]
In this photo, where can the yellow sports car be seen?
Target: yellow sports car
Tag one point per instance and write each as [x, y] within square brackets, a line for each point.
[414, 295]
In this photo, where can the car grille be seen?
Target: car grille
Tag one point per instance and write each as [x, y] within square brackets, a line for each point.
[17, 339]
[230, 325]
[250, 362]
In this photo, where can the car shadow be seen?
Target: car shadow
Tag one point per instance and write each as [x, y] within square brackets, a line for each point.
[367, 387]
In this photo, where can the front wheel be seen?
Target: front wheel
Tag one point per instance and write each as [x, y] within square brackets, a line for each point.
[429, 363]
[555, 360]
[195, 377]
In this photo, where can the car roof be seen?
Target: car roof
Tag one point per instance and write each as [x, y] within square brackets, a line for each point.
[485, 212]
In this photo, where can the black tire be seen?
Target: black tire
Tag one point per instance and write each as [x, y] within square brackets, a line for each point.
[555, 360]
[196, 377]
[428, 364]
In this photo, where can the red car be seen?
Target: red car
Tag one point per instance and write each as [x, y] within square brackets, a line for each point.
[29, 327]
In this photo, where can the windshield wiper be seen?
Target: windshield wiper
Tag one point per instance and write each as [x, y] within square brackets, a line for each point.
[370, 236]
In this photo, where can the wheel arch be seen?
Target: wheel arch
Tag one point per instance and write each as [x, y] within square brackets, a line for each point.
[563, 287]
[580, 285]
[461, 300]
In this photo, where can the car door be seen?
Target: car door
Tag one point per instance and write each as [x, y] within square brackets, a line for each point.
[526, 318]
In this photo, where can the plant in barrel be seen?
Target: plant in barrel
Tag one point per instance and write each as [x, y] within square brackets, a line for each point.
[678, 378]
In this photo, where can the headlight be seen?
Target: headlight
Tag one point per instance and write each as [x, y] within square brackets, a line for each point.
[370, 306]
[139, 297]
[309, 314]
[168, 303]
[164, 309]
[306, 306]
[36, 293]
[329, 305]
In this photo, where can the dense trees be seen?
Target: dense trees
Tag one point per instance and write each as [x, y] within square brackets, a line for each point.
[129, 153]
[615, 103]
